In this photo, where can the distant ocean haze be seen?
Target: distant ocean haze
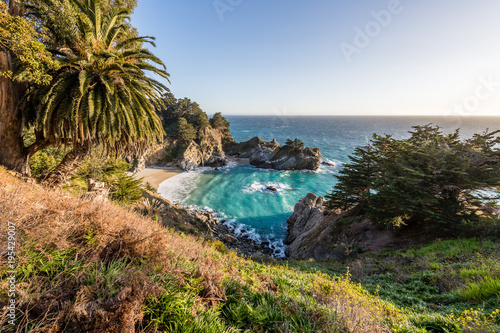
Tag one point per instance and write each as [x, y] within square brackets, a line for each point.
[238, 194]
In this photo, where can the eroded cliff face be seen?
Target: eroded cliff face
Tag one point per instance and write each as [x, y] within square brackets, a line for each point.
[208, 151]
[316, 232]
[310, 229]
[271, 155]
[154, 155]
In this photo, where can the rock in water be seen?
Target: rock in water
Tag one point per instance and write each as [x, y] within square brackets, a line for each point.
[271, 188]
[271, 155]
[230, 239]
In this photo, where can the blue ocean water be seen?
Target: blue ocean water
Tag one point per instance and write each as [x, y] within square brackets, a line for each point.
[237, 193]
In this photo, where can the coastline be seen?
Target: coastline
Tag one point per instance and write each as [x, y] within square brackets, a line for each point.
[157, 175]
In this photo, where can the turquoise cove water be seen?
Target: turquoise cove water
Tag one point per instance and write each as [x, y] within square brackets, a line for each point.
[237, 193]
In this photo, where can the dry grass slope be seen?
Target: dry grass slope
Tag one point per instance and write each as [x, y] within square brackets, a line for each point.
[89, 266]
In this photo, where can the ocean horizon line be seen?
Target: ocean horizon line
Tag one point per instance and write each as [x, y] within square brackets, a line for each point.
[364, 116]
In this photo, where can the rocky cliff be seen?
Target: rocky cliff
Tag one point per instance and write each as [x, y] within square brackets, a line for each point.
[207, 151]
[309, 229]
[205, 225]
[271, 155]
[316, 232]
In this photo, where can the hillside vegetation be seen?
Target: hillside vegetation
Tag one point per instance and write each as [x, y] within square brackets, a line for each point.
[432, 180]
[445, 286]
[96, 267]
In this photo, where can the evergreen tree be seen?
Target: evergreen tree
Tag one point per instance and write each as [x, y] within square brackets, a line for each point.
[296, 143]
[354, 181]
[219, 122]
[185, 131]
[430, 178]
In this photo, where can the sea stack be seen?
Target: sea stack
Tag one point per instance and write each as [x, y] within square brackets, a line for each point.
[271, 155]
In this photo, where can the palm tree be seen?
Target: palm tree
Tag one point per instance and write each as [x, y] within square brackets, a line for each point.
[101, 93]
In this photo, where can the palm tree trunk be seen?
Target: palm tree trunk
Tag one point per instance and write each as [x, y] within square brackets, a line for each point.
[60, 175]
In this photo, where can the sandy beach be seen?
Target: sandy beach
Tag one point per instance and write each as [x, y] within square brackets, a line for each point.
[155, 176]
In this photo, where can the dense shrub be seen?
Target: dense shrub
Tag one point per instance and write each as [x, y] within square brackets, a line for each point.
[184, 120]
[296, 143]
[431, 178]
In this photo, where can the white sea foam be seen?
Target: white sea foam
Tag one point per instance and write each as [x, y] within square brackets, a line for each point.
[332, 162]
[177, 188]
[260, 187]
[240, 229]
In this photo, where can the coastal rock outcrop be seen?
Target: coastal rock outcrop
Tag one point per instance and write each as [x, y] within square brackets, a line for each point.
[271, 155]
[152, 155]
[208, 152]
[309, 229]
[316, 232]
[202, 224]
[187, 155]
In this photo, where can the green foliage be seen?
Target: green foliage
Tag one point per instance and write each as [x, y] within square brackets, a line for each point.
[431, 178]
[183, 119]
[45, 161]
[221, 123]
[218, 121]
[479, 292]
[445, 286]
[452, 248]
[175, 109]
[296, 143]
[255, 311]
[176, 311]
[100, 93]
[126, 189]
[353, 188]
[107, 277]
[185, 131]
[102, 168]
[44, 263]
[172, 153]
[219, 246]
[20, 36]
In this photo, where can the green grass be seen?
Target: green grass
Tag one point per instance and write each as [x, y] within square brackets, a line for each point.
[452, 248]
[110, 268]
[178, 310]
[438, 286]
[479, 292]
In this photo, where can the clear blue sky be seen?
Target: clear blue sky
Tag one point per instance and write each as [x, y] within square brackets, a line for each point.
[330, 57]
